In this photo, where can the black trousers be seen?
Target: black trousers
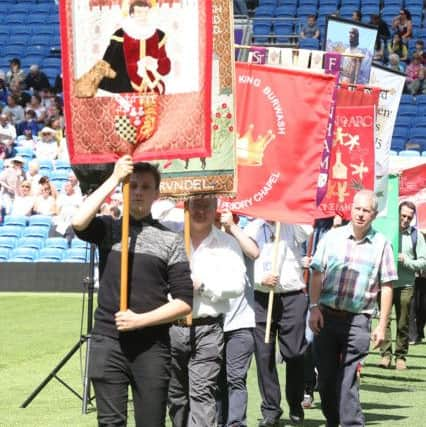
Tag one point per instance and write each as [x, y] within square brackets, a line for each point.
[113, 367]
[288, 327]
[418, 311]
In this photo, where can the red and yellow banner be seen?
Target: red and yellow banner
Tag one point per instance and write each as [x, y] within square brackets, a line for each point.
[282, 118]
[351, 160]
[137, 79]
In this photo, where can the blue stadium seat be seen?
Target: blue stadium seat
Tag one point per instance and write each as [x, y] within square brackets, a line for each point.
[41, 40]
[21, 7]
[391, 9]
[23, 255]
[15, 19]
[354, 4]
[264, 12]
[407, 110]
[53, 19]
[56, 242]
[423, 153]
[52, 62]
[398, 143]
[51, 254]
[370, 9]
[306, 10]
[26, 152]
[11, 231]
[40, 221]
[309, 44]
[398, 3]
[403, 121]
[326, 9]
[28, 60]
[61, 173]
[37, 18]
[75, 255]
[8, 242]
[267, 3]
[63, 165]
[36, 231]
[400, 131]
[283, 32]
[4, 254]
[31, 242]
[46, 166]
[41, 8]
[285, 11]
[14, 51]
[19, 220]
[20, 39]
[421, 99]
[418, 133]
[346, 11]
[406, 99]
[78, 243]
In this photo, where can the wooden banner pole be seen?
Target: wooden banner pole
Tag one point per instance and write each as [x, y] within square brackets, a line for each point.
[274, 272]
[125, 247]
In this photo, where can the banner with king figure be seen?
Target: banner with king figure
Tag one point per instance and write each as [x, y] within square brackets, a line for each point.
[137, 78]
[282, 118]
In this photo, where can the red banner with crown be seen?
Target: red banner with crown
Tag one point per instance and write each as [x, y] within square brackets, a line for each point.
[137, 78]
[282, 118]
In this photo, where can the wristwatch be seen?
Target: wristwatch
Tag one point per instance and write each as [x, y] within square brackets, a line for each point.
[312, 306]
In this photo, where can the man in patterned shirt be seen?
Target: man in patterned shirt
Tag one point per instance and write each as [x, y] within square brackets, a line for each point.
[351, 265]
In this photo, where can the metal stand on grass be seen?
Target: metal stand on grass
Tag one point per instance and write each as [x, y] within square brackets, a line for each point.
[85, 397]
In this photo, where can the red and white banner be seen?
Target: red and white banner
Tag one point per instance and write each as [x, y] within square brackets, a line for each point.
[137, 79]
[412, 186]
[351, 160]
[282, 118]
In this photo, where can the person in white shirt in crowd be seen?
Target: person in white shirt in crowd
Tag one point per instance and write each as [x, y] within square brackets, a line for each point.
[15, 111]
[45, 202]
[67, 204]
[238, 329]
[7, 130]
[24, 202]
[11, 178]
[74, 182]
[218, 274]
[288, 318]
[47, 146]
[33, 176]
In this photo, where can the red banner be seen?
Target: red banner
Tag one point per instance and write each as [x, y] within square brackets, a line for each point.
[412, 186]
[282, 118]
[137, 79]
[351, 160]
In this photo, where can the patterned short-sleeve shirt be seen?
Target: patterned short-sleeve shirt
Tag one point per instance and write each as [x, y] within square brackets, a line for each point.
[353, 270]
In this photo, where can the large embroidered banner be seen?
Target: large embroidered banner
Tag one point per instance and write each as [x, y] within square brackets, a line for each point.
[137, 78]
[183, 176]
[282, 122]
[351, 159]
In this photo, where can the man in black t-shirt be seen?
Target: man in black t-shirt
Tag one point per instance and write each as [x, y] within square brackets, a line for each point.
[132, 346]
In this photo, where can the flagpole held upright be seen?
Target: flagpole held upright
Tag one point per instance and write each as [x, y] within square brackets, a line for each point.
[125, 247]
[274, 272]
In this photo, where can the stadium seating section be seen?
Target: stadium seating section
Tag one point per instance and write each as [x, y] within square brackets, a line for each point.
[29, 30]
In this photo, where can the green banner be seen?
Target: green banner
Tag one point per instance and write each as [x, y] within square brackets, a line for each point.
[389, 224]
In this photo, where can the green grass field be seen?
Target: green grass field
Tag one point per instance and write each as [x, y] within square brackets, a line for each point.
[37, 330]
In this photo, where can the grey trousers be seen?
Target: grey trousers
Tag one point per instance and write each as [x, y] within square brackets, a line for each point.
[340, 346]
[197, 354]
[233, 396]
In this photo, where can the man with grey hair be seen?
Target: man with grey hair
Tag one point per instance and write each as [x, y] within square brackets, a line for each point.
[350, 266]
[36, 80]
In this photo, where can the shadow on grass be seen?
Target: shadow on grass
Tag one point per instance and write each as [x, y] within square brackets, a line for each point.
[383, 388]
[410, 367]
[392, 376]
[376, 418]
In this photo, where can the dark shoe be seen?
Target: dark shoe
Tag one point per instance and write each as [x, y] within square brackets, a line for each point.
[297, 416]
[296, 420]
[268, 422]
